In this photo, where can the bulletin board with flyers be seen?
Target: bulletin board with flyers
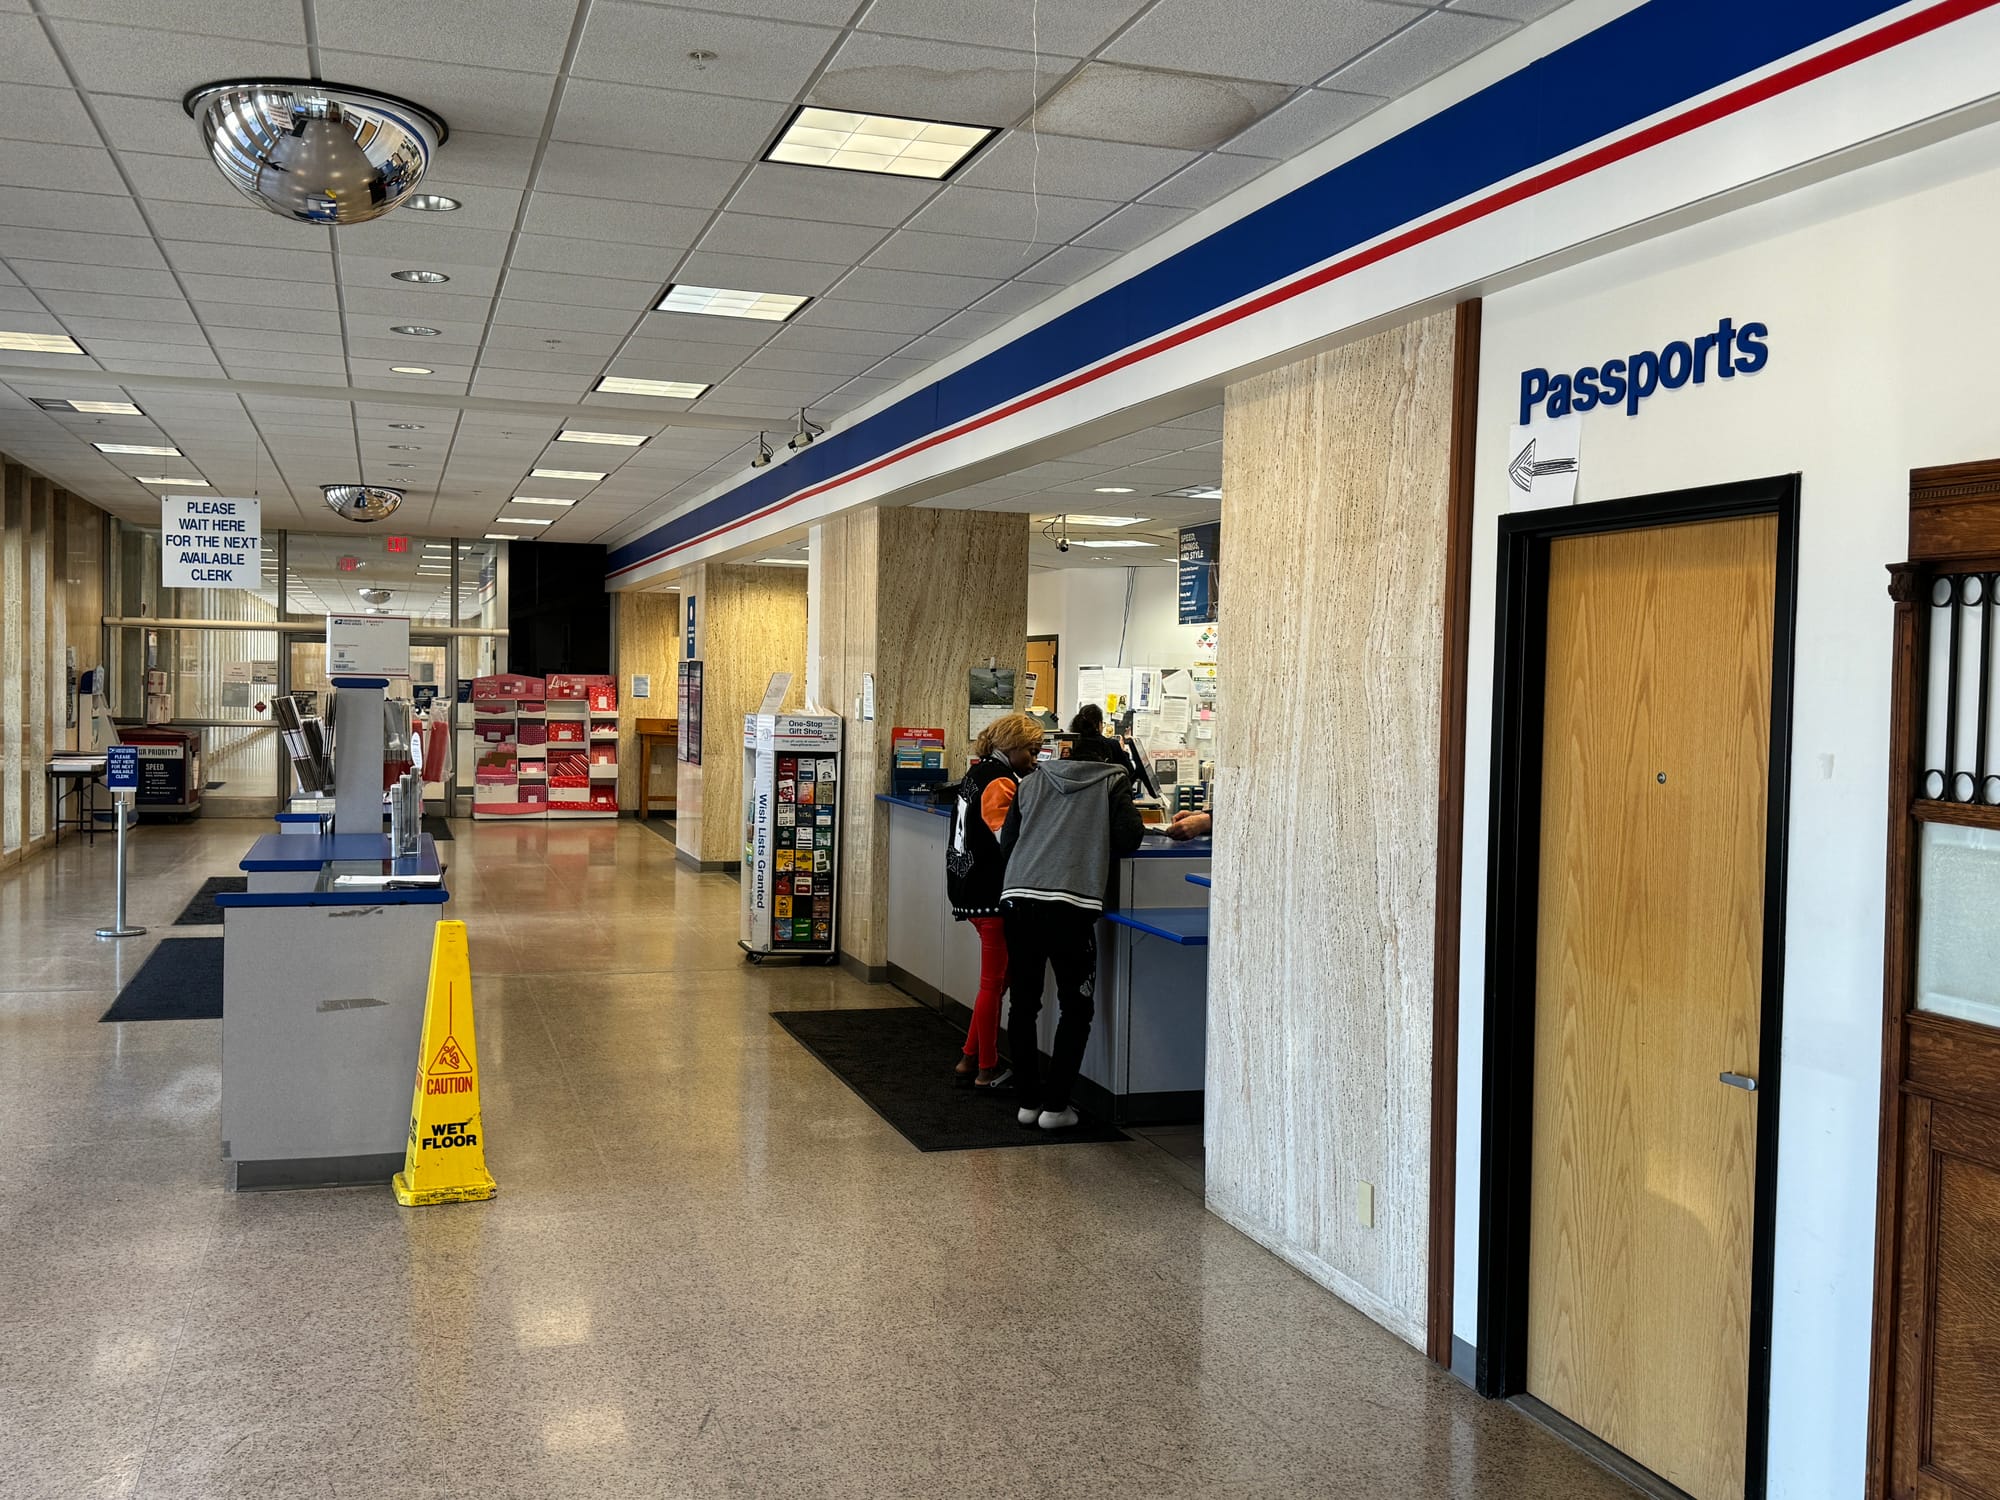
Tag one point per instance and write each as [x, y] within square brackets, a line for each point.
[791, 834]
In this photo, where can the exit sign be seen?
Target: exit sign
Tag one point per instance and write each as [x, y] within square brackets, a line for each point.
[395, 544]
[349, 564]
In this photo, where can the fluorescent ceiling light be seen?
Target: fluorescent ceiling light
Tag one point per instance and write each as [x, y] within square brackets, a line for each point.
[40, 343]
[726, 302]
[676, 390]
[200, 484]
[610, 439]
[501, 536]
[583, 474]
[1104, 520]
[416, 331]
[1193, 492]
[891, 144]
[411, 370]
[1114, 542]
[1113, 489]
[540, 500]
[151, 450]
[524, 520]
[783, 562]
[89, 408]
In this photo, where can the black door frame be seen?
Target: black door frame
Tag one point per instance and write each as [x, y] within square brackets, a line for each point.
[1513, 883]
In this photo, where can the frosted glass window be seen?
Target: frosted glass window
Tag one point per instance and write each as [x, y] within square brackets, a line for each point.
[1958, 925]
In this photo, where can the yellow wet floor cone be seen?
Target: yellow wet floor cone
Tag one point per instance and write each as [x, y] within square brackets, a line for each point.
[446, 1158]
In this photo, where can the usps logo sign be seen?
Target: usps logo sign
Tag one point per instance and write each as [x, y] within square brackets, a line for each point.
[210, 543]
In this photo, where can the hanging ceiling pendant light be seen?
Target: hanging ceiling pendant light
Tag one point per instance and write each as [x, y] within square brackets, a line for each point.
[362, 502]
[320, 153]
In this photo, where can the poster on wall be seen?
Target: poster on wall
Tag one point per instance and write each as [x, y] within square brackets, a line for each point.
[1200, 552]
[690, 731]
[210, 543]
[990, 692]
[681, 711]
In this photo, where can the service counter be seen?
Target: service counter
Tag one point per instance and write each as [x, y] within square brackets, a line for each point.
[323, 993]
[1148, 1043]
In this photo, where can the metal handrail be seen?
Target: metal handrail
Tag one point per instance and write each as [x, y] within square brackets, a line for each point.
[288, 627]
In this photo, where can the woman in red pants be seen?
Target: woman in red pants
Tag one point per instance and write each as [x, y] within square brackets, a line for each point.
[974, 867]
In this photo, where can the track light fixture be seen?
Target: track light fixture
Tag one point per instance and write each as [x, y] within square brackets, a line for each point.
[808, 430]
[763, 453]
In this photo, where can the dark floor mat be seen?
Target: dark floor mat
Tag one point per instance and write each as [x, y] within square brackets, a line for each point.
[201, 910]
[181, 980]
[899, 1061]
[664, 827]
[437, 828]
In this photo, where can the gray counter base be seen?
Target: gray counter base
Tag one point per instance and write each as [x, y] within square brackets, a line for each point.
[313, 1172]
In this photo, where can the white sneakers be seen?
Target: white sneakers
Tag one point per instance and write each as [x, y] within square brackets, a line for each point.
[1055, 1119]
[1026, 1116]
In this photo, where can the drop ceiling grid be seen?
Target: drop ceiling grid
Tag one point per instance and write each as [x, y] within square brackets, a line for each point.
[120, 80]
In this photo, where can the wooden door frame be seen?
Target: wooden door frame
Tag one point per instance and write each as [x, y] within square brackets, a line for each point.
[1513, 888]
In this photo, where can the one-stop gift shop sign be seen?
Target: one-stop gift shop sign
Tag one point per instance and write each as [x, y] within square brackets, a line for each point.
[210, 543]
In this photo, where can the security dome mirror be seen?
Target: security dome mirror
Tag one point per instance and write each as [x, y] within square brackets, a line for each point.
[361, 502]
[319, 153]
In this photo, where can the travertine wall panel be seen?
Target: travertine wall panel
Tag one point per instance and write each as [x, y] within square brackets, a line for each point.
[919, 598]
[1335, 490]
[649, 645]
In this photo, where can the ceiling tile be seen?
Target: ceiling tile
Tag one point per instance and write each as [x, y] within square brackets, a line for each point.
[1215, 176]
[60, 276]
[295, 319]
[666, 332]
[875, 317]
[468, 282]
[990, 214]
[1015, 297]
[914, 288]
[759, 273]
[398, 302]
[530, 313]
[91, 213]
[753, 234]
[1071, 167]
[605, 219]
[179, 179]
[527, 37]
[489, 101]
[251, 230]
[636, 176]
[1506, 10]
[604, 345]
[157, 126]
[911, 250]
[854, 341]
[273, 363]
[935, 80]
[1132, 226]
[755, 58]
[256, 20]
[971, 324]
[1074, 27]
[277, 340]
[110, 305]
[25, 54]
[481, 160]
[1286, 41]
[80, 249]
[1150, 106]
[789, 192]
[677, 121]
[1436, 42]
[817, 361]
[652, 263]
[19, 299]
[165, 64]
[589, 291]
[1309, 119]
[416, 240]
[544, 361]
[28, 113]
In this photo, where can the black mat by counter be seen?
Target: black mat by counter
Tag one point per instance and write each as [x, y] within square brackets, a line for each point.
[181, 980]
[437, 828]
[201, 910]
[899, 1060]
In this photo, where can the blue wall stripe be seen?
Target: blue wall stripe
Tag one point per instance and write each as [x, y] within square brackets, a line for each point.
[1645, 62]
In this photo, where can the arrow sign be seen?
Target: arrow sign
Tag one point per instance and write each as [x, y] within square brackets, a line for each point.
[1526, 468]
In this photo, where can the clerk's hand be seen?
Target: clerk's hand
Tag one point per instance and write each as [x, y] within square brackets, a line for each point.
[1189, 825]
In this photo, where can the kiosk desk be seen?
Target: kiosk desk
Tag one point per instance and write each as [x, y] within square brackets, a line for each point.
[322, 1010]
[1149, 1039]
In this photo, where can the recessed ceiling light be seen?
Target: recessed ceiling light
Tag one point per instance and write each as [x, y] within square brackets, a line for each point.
[890, 144]
[40, 343]
[406, 448]
[612, 439]
[200, 484]
[583, 474]
[1193, 492]
[411, 370]
[399, 466]
[415, 330]
[421, 278]
[89, 408]
[430, 203]
[540, 500]
[725, 302]
[678, 390]
[1114, 542]
[501, 536]
[147, 448]
[407, 426]
[1102, 520]
[1113, 489]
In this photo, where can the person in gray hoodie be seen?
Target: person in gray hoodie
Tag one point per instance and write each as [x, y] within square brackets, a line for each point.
[1063, 835]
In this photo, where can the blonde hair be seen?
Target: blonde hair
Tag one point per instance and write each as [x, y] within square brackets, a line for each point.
[1013, 732]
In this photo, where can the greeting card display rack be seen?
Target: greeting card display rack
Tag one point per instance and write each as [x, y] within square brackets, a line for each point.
[547, 747]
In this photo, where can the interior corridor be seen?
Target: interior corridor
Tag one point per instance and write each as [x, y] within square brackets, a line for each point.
[711, 1270]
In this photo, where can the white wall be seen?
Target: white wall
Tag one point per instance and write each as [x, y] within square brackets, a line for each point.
[1878, 291]
[1087, 608]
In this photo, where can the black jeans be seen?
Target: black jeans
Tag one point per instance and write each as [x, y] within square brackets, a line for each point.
[1042, 935]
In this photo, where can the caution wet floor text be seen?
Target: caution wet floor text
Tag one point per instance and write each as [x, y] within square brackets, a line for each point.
[445, 1161]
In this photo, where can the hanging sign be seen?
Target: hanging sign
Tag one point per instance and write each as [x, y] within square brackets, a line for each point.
[689, 653]
[210, 543]
[1200, 553]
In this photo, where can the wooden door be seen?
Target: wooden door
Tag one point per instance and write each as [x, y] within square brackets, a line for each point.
[1042, 662]
[1655, 761]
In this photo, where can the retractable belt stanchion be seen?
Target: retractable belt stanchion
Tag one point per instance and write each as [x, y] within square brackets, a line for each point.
[122, 777]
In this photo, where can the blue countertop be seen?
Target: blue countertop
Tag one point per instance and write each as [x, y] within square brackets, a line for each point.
[915, 804]
[430, 895]
[1154, 846]
[297, 851]
[1200, 880]
[1186, 925]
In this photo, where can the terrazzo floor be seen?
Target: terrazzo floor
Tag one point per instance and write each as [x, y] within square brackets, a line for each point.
[711, 1270]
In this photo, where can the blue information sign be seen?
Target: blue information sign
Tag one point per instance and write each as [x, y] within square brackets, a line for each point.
[1200, 552]
[121, 768]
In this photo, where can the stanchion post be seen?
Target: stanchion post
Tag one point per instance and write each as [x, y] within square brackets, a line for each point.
[122, 777]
